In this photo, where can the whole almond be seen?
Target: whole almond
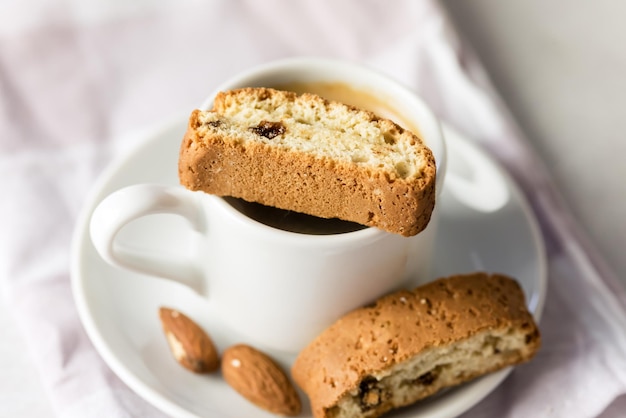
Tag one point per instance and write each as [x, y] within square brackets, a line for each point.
[256, 377]
[190, 344]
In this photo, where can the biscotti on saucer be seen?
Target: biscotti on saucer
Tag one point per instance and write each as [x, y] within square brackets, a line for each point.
[307, 154]
[411, 344]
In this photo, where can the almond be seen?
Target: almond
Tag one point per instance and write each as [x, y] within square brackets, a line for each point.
[190, 344]
[256, 377]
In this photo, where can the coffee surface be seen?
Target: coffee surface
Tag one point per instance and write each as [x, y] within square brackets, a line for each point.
[292, 221]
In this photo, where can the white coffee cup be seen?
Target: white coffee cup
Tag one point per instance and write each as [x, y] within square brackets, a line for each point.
[279, 289]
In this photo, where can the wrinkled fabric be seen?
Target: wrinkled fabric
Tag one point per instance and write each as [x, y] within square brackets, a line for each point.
[80, 79]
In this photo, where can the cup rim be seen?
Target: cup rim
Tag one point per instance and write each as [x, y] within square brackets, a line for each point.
[366, 235]
[320, 69]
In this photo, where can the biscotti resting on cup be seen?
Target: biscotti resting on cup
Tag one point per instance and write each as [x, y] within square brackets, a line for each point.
[411, 344]
[307, 154]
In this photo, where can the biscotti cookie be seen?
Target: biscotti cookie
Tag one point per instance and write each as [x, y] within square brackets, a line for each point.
[411, 344]
[306, 154]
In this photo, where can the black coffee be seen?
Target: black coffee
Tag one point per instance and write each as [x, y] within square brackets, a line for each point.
[292, 221]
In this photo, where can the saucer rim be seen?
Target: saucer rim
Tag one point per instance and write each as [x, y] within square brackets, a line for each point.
[154, 397]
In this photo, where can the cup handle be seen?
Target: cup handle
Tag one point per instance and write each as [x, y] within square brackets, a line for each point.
[474, 179]
[133, 202]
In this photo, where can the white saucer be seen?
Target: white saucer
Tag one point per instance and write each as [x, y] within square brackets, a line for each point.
[119, 308]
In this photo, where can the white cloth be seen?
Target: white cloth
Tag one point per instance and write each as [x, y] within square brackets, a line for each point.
[77, 78]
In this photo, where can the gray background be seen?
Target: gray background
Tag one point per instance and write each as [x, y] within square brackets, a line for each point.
[561, 67]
